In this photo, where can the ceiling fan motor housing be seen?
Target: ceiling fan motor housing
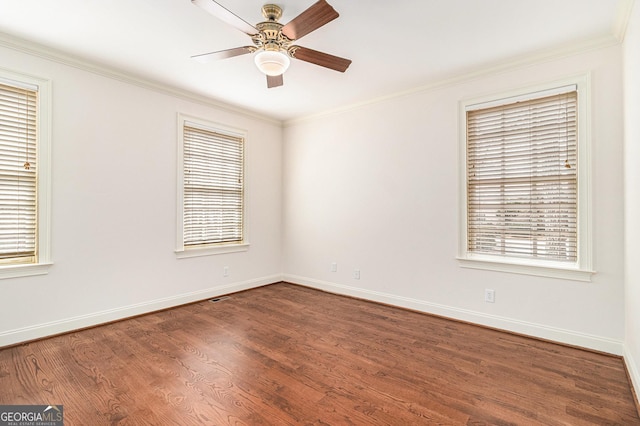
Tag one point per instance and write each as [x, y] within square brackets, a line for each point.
[270, 37]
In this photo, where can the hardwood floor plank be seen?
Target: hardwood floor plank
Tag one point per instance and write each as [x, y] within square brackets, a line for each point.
[289, 355]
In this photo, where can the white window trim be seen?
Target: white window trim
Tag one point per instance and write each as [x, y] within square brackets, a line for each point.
[44, 176]
[181, 251]
[581, 270]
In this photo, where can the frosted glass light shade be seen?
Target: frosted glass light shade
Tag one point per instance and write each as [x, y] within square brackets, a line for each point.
[271, 62]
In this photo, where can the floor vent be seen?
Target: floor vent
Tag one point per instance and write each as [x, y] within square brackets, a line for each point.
[218, 299]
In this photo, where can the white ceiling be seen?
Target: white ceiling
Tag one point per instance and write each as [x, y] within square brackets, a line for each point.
[395, 46]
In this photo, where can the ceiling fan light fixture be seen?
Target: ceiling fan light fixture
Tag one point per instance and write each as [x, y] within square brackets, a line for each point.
[272, 62]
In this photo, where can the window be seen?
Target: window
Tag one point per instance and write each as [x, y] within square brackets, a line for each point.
[24, 176]
[211, 195]
[522, 174]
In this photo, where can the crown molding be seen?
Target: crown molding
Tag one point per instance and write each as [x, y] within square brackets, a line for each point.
[463, 76]
[624, 9]
[51, 54]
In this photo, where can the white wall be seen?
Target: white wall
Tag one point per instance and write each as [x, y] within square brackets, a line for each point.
[375, 188]
[632, 195]
[114, 206]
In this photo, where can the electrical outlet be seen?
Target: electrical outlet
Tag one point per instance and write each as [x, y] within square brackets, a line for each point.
[225, 271]
[489, 295]
[356, 274]
[334, 267]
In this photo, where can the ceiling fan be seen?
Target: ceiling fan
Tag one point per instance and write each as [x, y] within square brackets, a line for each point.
[273, 41]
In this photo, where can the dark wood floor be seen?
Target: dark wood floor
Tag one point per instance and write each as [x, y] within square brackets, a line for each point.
[285, 354]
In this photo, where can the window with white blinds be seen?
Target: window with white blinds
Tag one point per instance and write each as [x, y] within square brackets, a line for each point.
[525, 181]
[18, 175]
[522, 179]
[213, 187]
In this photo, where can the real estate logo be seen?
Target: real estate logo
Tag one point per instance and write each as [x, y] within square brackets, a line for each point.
[31, 415]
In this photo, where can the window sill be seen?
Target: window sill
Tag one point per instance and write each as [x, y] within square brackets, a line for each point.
[210, 250]
[550, 270]
[25, 270]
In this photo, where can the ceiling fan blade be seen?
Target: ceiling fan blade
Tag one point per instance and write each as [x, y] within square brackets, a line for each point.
[274, 81]
[319, 58]
[311, 19]
[225, 15]
[223, 54]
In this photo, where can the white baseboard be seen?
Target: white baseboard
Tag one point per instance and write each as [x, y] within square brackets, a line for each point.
[38, 331]
[634, 373]
[555, 334]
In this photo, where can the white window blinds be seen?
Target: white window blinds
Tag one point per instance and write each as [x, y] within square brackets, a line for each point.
[213, 187]
[18, 181]
[522, 179]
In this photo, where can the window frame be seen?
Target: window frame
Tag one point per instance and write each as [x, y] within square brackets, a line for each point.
[581, 269]
[181, 250]
[42, 262]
